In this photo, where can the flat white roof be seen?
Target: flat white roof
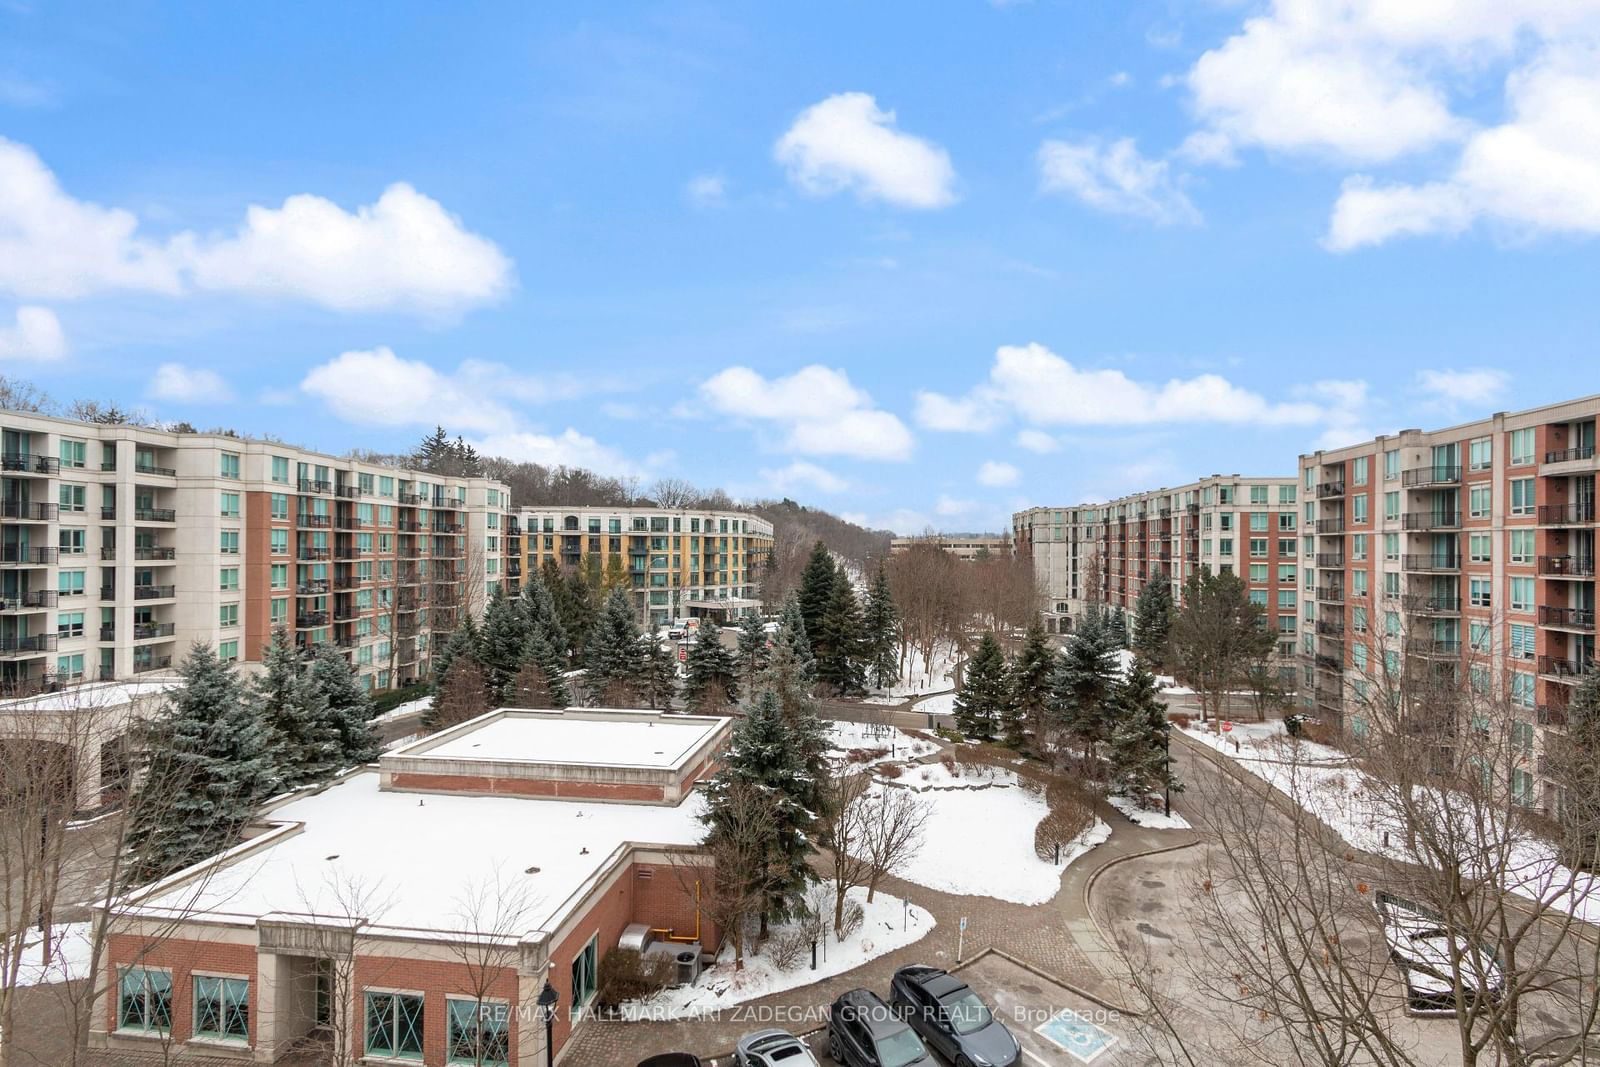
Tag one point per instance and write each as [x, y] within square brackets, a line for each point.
[572, 739]
[415, 858]
[84, 697]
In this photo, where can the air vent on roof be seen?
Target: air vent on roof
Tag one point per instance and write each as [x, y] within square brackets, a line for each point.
[644, 873]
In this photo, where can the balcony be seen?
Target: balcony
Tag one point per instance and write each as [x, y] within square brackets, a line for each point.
[1329, 663]
[107, 514]
[1579, 514]
[1570, 455]
[1562, 669]
[142, 467]
[108, 633]
[29, 601]
[1331, 594]
[1330, 526]
[108, 592]
[1330, 489]
[1431, 563]
[23, 556]
[448, 528]
[313, 554]
[309, 619]
[350, 492]
[154, 592]
[1329, 628]
[150, 631]
[25, 463]
[1433, 646]
[353, 581]
[27, 646]
[308, 485]
[1417, 604]
[306, 518]
[108, 553]
[1431, 520]
[28, 511]
[155, 552]
[1423, 477]
[154, 515]
[1552, 715]
[412, 500]
[1580, 619]
[1330, 559]
[152, 663]
[410, 526]
[1566, 566]
[315, 587]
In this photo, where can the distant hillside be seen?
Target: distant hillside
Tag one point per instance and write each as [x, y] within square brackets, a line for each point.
[795, 528]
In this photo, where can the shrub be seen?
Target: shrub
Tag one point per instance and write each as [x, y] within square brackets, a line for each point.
[788, 948]
[851, 920]
[1071, 813]
[1321, 733]
[866, 755]
[888, 770]
[1180, 719]
[626, 974]
[389, 699]
[949, 762]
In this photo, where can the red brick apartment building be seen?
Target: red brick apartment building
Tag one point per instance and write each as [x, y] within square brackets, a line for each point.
[355, 906]
[1470, 547]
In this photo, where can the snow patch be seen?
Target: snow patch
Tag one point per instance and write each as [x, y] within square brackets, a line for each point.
[400, 711]
[69, 959]
[1147, 817]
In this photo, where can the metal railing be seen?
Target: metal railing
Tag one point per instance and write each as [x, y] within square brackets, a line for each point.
[1567, 618]
[1567, 566]
[1421, 477]
[153, 592]
[1576, 514]
[1568, 455]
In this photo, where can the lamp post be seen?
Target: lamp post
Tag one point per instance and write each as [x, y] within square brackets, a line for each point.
[547, 1004]
[1166, 766]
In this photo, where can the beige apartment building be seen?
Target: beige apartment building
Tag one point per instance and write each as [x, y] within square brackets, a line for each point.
[1107, 552]
[122, 545]
[678, 562]
[966, 547]
[1469, 549]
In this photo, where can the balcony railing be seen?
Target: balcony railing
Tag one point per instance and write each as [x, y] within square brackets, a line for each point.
[155, 552]
[27, 509]
[1329, 663]
[1329, 628]
[1330, 526]
[1421, 477]
[1561, 667]
[1431, 562]
[1433, 646]
[28, 557]
[1567, 566]
[108, 553]
[33, 598]
[150, 468]
[315, 587]
[1569, 455]
[1418, 604]
[1431, 520]
[108, 633]
[12, 645]
[350, 492]
[1578, 514]
[316, 554]
[1330, 489]
[412, 500]
[146, 631]
[153, 592]
[308, 519]
[1567, 618]
[1331, 594]
[153, 663]
[154, 515]
[309, 485]
[26, 463]
[107, 514]
[1552, 715]
[1330, 559]
[308, 619]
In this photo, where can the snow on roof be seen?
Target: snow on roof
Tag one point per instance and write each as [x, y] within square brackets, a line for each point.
[85, 697]
[552, 738]
[416, 858]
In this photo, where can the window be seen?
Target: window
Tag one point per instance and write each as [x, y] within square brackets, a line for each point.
[1521, 641]
[228, 543]
[279, 542]
[280, 611]
[1479, 636]
[1521, 783]
[1478, 594]
[70, 668]
[1522, 689]
[1286, 547]
[69, 624]
[1521, 447]
[1258, 547]
[583, 976]
[230, 505]
[230, 465]
[1358, 508]
[1358, 470]
[1358, 619]
[1391, 546]
[222, 1007]
[394, 1025]
[1285, 520]
[228, 651]
[1391, 465]
[1358, 546]
[228, 615]
[477, 1032]
[144, 1000]
[69, 583]
[1480, 454]
[1478, 548]
[1522, 496]
[1521, 546]
[1286, 573]
[72, 497]
[1478, 502]
[73, 453]
[72, 540]
[1258, 522]
[280, 469]
[1258, 572]
[1258, 596]
[279, 504]
[1391, 505]
[1286, 600]
[1258, 494]
[1522, 594]
[229, 581]
[278, 576]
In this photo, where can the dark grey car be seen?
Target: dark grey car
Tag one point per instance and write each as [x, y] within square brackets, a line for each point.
[863, 1031]
[951, 1018]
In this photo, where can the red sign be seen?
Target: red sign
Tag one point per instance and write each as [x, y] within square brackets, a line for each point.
[683, 653]
[1227, 726]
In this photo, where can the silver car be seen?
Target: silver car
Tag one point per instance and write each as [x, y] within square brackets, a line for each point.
[772, 1048]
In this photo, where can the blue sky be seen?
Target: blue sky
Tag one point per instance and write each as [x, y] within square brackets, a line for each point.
[918, 264]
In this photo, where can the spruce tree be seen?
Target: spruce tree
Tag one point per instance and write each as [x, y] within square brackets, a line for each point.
[1031, 676]
[752, 653]
[533, 688]
[1082, 687]
[464, 640]
[301, 734]
[553, 667]
[985, 692]
[207, 766]
[349, 705]
[790, 682]
[711, 683]
[577, 609]
[793, 634]
[1152, 621]
[613, 661]
[433, 453]
[1139, 737]
[658, 677]
[540, 611]
[1117, 629]
[462, 694]
[503, 643]
[839, 642]
[816, 588]
[878, 626]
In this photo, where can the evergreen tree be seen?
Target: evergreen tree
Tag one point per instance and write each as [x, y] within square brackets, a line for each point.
[503, 643]
[792, 633]
[533, 687]
[433, 453]
[1082, 687]
[349, 705]
[207, 767]
[985, 693]
[789, 680]
[1576, 765]
[816, 588]
[764, 752]
[1117, 629]
[540, 610]
[658, 677]
[464, 640]
[753, 653]
[575, 605]
[462, 694]
[839, 642]
[301, 734]
[878, 629]
[1139, 737]
[1031, 674]
[1152, 621]
[613, 661]
[711, 684]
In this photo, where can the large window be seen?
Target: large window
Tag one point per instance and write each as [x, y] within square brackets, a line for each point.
[144, 1000]
[1480, 453]
[1522, 594]
[1521, 446]
[394, 1025]
[477, 1032]
[583, 976]
[222, 1008]
[1522, 496]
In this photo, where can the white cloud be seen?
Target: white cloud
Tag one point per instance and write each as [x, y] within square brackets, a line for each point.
[36, 335]
[1539, 172]
[1482, 385]
[1037, 441]
[402, 252]
[707, 190]
[847, 142]
[188, 385]
[820, 411]
[801, 474]
[960, 414]
[995, 473]
[950, 507]
[566, 449]
[1115, 178]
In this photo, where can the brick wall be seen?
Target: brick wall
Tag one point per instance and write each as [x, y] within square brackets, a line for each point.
[182, 958]
[436, 980]
[528, 787]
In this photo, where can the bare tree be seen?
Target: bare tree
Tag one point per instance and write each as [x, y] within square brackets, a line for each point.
[674, 493]
[333, 929]
[492, 916]
[893, 830]
[741, 823]
[19, 394]
[843, 831]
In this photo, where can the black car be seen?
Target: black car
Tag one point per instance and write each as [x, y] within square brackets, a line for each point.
[952, 1018]
[864, 1032]
[672, 1059]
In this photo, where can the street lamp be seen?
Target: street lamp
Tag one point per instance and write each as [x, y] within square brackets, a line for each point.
[1166, 748]
[547, 1004]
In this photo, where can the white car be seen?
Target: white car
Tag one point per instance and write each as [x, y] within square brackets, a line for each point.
[1420, 946]
[772, 1048]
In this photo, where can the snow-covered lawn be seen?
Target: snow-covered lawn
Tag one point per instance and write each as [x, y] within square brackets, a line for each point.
[889, 925]
[1266, 741]
[938, 704]
[68, 962]
[925, 776]
[918, 677]
[1151, 818]
[400, 711]
[844, 736]
[1165, 682]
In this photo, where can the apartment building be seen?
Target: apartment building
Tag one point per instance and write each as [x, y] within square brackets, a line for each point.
[1468, 549]
[1107, 552]
[965, 547]
[678, 562]
[121, 545]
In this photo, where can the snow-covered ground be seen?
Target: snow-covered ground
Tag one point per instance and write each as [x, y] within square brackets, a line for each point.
[844, 736]
[410, 707]
[889, 925]
[918, 678]
[938, 704]
[925, 776]
[1148, 817]
[1326, 783]
[68, 962]
[1165, 682]
[1266, 740]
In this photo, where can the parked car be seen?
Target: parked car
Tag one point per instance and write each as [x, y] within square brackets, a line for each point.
[951, 1018]
[864, 1032]
[672, 1059]
[772, 1048]
[1423, 948]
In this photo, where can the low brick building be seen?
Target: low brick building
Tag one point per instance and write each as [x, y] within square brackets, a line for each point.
[415, 911]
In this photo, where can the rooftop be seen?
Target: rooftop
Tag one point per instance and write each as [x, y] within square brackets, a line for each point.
[92, 696]
[633, 740]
